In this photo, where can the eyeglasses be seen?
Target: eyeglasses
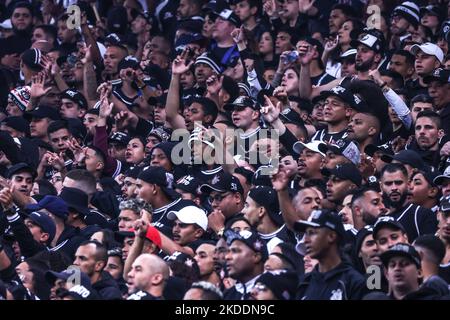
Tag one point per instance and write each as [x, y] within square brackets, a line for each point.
[218, 197]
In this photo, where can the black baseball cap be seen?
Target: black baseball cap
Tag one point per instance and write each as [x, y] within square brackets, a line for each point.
[242, 101]
[129, 62]
[251, 238]
[439, 74]
[401, 249]
[43, 111]
[445, 204]
[267, 197]
[223, 182]
[290, 116]
[113, 39]
[160, 177]
[346, 171]
[406, 157]
[76, 97]
[188, 184]
[20, 167]
[440, 178]
[347, 97]
[119, 137]
[386, 221]
[323, 218]
[371, 149]
[18, 123]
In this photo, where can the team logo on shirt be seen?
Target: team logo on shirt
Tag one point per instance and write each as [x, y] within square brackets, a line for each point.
[336, 294]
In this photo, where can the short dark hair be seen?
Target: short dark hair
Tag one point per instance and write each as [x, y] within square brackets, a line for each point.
[421, 98]
[396, 77]
[101, 252]
[432, 115]
[98, 153]
[359, 193]
[86, 180]
[49, 30]
[57, 125]
[394, 167]
[347, 10]
[409, 57]
[434, 245]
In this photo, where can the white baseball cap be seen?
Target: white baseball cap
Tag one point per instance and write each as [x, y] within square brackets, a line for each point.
[313, 146]
[429, 48]
[6, 24]
[190, 215]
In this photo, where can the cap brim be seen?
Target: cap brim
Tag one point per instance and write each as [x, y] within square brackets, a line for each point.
[301, 226]
[429, 79]
[172, 215]
[52, 276]
[439, 179]
[371, 149]
[386, 256]
[206, 188]
[387, 158]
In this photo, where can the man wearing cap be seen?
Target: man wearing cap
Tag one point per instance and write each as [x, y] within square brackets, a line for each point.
[244, 262]
[331, 279]
[276, 285]
[310, 160]
[73, 104]
[41, 118]
[154, 185]
[428, 58]
[189, 225]
[415, 219]
[188, 186]
[341, 180]
[33, 234]
[338, 110]
[17, 127]
[387, 232]
[21, 177]
[345, 151]
[57, 209]
[201, 109]
[347, 60]
[405, 15]
[129, 183]
[63, 288]
[262, 210]
[438, 88]
[115, 52]
[226, 199]
[78, 217]
[443, 181]
[365, 250]
[224, 47]
[403, 272]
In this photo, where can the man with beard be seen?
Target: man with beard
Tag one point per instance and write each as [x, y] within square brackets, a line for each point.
[403, 18]
[415, 219]
[365, 251]
[364, 128]
[367, 205]
[428, 133]
[369, 55]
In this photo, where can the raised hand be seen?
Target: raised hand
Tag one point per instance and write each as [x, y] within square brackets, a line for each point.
[140, 228]
[37, 89]
[87, 54]
[271, 8]
[305, 5]
[106, 108]
[6, 197]
[306, 53]
[331, 44]
[284, 63]
[269, 112]
[238, 35]
[213, 84]
[281, 94]
[181, 65]
[105, 89]
[216, 220]
[280, 180]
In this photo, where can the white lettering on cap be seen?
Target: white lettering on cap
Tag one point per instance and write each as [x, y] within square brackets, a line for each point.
[338, 89]
[81, 290]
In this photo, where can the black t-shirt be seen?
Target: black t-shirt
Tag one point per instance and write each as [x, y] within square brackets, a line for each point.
[322, 79]
[329, 137]
[142, 295]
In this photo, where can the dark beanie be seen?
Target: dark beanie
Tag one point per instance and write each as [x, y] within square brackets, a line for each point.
[283, 284]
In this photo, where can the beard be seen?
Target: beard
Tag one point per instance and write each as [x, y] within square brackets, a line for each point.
[369, 219]
[364, 66]
[395, 204]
